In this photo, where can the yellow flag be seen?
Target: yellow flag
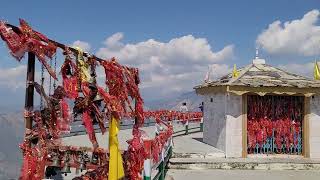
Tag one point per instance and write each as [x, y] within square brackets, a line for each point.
[115, 162]
[235, 73]
[316, 72]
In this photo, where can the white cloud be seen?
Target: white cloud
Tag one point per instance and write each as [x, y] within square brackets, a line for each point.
[183, 81]
[114, 40]
[297, 37]
[218, 70]
[14, 77]
[83, 45]
[300, 69]
[166, 67]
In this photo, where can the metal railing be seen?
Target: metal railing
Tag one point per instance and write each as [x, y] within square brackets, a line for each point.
[159, 169]
[163, 166]
[187, 130]
[80, 130]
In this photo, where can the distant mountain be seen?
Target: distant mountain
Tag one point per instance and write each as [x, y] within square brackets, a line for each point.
[11, 135]
[191, 98]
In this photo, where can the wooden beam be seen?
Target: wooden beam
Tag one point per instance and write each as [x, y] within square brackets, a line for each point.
[29, 97]
[58, 44]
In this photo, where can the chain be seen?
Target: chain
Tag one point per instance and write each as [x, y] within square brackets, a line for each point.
[42, 82]
[79, 75]
[50, 79]
[55, 71]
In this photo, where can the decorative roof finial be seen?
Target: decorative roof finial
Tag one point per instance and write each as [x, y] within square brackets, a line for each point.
[207, 77]
[257, 52]
[257, 59]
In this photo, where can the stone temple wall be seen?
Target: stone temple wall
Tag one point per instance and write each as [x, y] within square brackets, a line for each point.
[223, 122]
[314, 127]
[214, 122]
[234, 126]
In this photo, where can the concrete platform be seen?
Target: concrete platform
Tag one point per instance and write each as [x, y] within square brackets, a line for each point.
[192, 146]
[191, 153]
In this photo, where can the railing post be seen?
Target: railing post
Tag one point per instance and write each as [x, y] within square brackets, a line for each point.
[167, 162]
[147, 166]
[201, 125]
[162, 165]
[187, 127]
[161, 169]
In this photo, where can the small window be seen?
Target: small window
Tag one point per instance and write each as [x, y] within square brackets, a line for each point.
[211, 99]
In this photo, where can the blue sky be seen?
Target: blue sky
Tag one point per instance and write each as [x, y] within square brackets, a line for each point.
[233, 26]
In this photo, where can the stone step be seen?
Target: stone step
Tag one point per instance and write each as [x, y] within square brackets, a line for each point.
[244, 164]
[198, 155]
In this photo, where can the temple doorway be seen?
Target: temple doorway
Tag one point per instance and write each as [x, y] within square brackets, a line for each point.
[274, 124]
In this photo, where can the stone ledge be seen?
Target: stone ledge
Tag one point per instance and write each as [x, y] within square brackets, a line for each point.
[244, 164]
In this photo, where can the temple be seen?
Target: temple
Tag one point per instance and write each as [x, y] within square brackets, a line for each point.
[262, 111]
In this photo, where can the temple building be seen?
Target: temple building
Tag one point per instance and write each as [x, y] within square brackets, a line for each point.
[262, 111]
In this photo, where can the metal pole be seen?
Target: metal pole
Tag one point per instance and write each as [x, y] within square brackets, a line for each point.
[29, 90]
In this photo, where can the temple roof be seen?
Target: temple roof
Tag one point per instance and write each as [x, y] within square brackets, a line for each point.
[260, 74]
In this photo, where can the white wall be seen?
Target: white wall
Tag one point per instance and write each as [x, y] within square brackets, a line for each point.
[234, 126]
[314, 126]
[223, 123]
[214, 132]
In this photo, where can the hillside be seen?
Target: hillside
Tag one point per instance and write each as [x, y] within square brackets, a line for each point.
[11, 135]
[191, 98]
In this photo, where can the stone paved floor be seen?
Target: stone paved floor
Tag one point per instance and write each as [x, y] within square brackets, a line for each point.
[242, 175]
[192, 144]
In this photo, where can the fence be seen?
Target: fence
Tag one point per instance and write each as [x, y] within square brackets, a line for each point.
[161, 167]
[79, 129]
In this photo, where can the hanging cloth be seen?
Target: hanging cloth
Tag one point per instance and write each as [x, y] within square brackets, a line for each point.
[83, 66]
[29, 41]
[64, 120]
[70, 84]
